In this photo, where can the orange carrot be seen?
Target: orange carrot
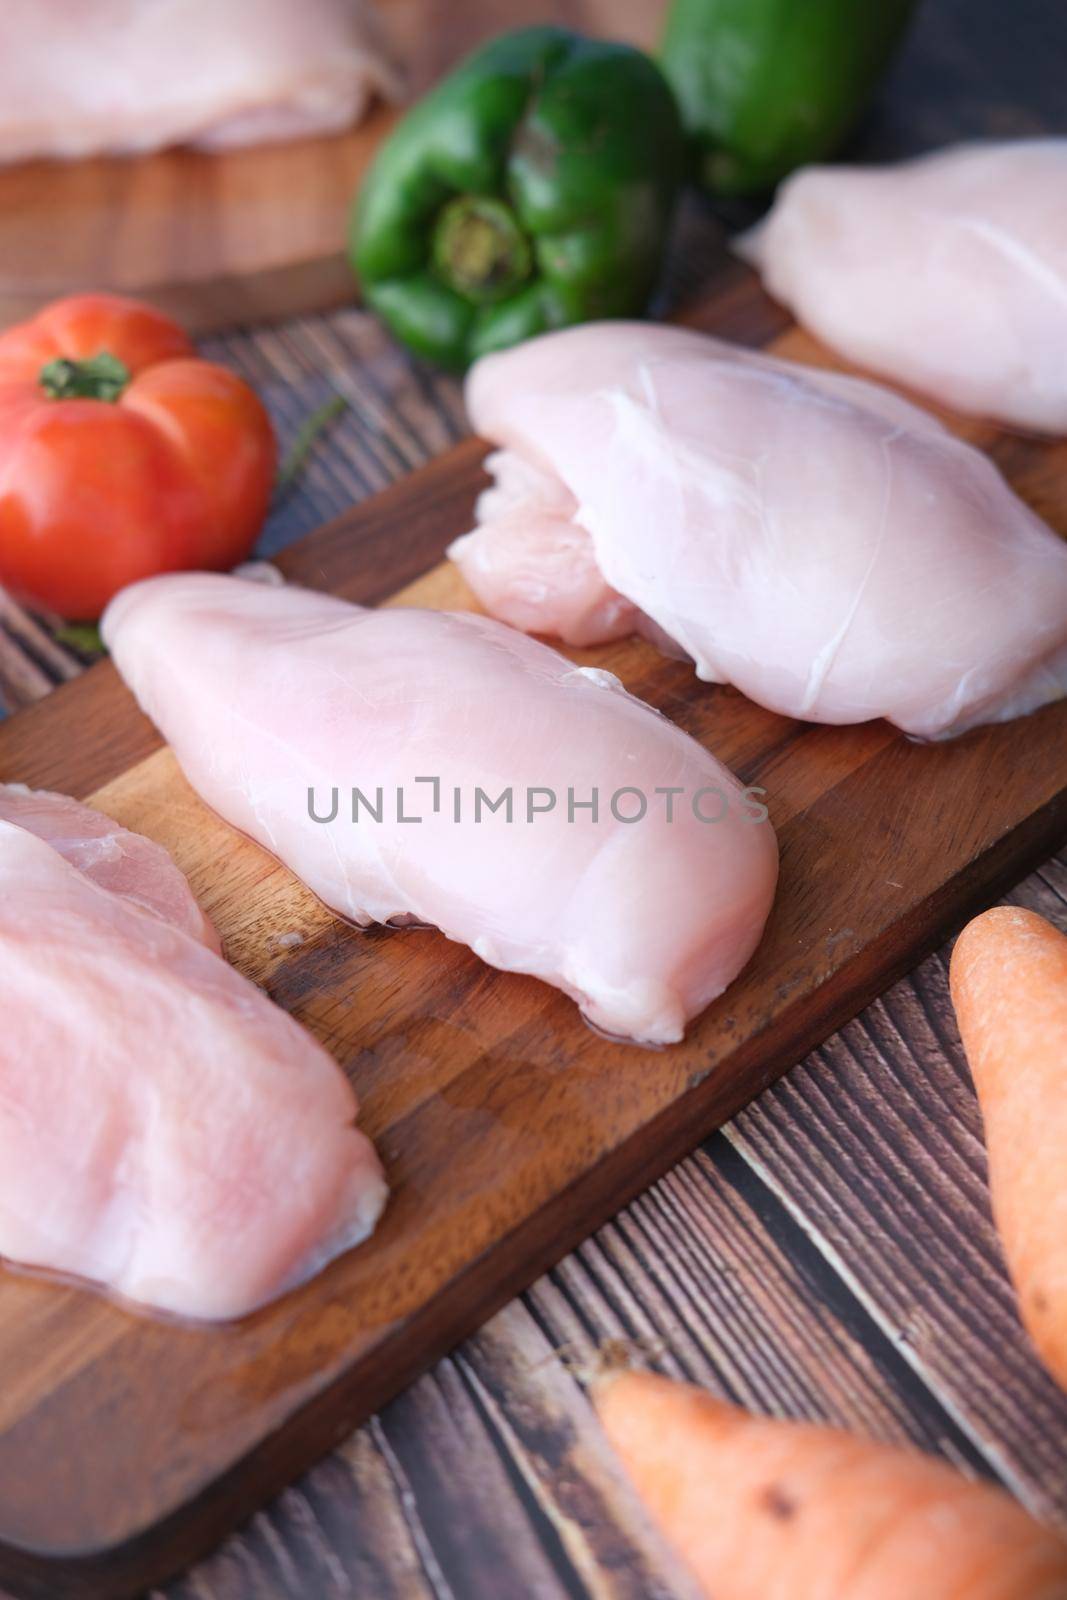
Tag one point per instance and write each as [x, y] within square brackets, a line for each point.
[767, 1510]
[1009, 987]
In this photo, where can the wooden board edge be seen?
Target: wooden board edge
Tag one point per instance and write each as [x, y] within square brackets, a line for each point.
[263, 297]
[215, 304]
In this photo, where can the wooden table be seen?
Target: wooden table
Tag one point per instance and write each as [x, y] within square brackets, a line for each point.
[829, 1254]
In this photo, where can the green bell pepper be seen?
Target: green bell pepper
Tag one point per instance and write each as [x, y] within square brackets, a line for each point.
[531, 189]
[768, 85]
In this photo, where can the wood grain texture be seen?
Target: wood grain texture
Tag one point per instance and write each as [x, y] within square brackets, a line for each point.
[712, 1277]
[212, 239]
[508, 1129]
[695, 1278]
[249, 235]
[902, 1198]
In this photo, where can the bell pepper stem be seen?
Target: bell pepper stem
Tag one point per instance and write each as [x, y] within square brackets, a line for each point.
[99, 377]
[479, 248]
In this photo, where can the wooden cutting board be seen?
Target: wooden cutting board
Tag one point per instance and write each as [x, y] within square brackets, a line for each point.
[244, 235]
[509, 1130]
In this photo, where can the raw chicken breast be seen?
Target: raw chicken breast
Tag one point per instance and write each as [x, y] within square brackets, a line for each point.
[546, 556]
[124, 76]
[948, 273]
[126, 863]
[266, 694]
[165, 1130]
[815, 540]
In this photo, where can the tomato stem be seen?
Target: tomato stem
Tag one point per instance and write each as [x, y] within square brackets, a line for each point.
[306, 438]
[99, 377]
[81, 636]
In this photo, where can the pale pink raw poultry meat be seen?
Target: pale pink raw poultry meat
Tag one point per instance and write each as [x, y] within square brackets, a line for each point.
[125, 76]
[814, 539]
[165, 1130]
[948, 273]
[265, 693]
[124, 862]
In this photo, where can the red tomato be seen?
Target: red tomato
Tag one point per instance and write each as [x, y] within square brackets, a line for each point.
[121, 455]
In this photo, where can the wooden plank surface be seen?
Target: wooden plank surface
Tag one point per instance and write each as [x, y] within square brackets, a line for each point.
[241, 236]
[714, 1277]
[508, 1129]
[382, 1516]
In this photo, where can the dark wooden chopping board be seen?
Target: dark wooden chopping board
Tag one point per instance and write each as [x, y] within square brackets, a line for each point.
[509, 1130]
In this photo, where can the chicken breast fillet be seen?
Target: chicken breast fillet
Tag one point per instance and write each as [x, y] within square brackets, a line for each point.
[128, 76]
[165, 1130]
[812, 538]
[279, 703]
[124, 862]
[948, 273]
